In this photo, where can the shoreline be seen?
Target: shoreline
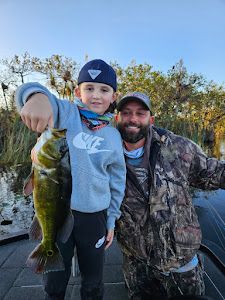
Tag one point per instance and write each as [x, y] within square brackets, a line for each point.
[14, 237]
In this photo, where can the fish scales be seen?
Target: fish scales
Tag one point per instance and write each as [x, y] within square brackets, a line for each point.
[51, 182]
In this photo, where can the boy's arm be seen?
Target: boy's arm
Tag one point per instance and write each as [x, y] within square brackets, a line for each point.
[40, 108]
[117, 186]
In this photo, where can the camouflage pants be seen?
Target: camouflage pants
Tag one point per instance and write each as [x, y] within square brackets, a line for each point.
[144, 282]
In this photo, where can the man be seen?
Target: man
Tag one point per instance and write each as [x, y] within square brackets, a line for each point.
[158, 231]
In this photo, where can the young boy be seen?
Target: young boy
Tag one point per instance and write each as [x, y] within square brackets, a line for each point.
[97, 166]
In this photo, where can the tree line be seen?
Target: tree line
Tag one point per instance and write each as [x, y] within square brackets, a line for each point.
[185, 103]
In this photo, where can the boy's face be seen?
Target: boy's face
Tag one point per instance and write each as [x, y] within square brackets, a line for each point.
[96, 96]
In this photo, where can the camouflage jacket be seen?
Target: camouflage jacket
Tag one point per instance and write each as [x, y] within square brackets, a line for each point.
[163, 230]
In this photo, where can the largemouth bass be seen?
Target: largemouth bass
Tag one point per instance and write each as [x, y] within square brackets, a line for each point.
[51, 183]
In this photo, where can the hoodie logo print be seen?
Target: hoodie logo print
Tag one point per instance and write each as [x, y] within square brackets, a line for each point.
[100, 242]
[88, 142]
[94, 73]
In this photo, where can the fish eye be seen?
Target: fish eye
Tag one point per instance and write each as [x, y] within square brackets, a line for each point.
[49, 253]
[43, 172]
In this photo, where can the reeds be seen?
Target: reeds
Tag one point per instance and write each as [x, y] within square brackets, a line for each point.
[183, 127]
[17, 142]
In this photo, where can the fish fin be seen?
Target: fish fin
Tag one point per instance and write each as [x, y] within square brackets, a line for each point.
[35, 230]
[29, 184]
[40, 262]
[37, 259]
[64, 232]
[54, 263]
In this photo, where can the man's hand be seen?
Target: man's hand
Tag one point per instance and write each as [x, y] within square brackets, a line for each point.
[109, 238]
[37, 113]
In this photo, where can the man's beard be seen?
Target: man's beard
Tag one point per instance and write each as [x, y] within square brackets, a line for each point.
[132, 137]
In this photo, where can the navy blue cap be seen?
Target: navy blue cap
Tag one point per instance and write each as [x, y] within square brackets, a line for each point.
[98, 71]
[137, 96]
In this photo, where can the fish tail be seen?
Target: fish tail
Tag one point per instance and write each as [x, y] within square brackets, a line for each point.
[42, 261]
[54, 262]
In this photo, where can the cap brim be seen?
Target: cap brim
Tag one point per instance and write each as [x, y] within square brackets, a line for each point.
[124, 100]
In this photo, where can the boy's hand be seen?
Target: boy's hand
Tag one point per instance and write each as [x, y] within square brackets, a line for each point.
[109, 238]
[37, 113]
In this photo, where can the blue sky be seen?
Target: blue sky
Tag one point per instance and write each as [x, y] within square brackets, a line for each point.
[158, 32]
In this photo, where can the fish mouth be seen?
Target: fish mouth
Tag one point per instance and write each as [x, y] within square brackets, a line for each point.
[48, 156]
[34, 156]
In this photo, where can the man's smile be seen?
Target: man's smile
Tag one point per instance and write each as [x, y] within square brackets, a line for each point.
[134, 128]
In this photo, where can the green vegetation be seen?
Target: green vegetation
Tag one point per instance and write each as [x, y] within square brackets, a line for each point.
[16, 139]
[184, 103]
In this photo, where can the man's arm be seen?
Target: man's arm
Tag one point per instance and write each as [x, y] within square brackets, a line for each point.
[206, 173]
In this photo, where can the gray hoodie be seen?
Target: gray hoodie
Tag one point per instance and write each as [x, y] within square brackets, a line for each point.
[97, 160]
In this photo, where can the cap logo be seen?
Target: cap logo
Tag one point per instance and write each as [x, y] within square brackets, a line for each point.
[94, 73]
[140, 96]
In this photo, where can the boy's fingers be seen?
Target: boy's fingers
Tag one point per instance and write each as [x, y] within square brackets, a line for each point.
[50, 122]
[27, 122]
[40, 127]
[34, 124]
[109, 238]
[108, 244]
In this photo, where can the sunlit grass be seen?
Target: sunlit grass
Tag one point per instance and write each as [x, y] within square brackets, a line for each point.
[17, 143]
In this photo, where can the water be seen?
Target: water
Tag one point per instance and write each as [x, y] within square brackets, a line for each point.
[16, 212]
